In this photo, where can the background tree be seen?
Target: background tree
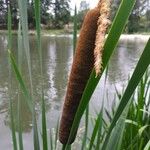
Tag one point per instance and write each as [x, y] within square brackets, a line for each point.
[2, 14]
[84, 7]
[134, 19]
[56, 13]
[115, 6]
[4, 11]
[61, 10]
[45, 8]
[56, 10]
[148, 15]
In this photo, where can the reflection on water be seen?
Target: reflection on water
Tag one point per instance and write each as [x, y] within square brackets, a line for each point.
[124, 59]
[57, 58]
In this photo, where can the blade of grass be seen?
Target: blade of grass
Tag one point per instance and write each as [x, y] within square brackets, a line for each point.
[19, 125]
[20, 47]
[99, 131]
[35, 133]
[20, 80]
[56, 134]
[44, 126]
[24, 24]
[28, 99]
[51, 140]
[117, 133]
[97, 127]
[147, 147]
[38, 31]
[142, 129]
[110, 44]
[10, 83]
[13, 126]
[86, 128]
[133, 83]
[37, 4]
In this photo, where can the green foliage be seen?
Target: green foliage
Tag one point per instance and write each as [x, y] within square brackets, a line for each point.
[53, 13]
[61, 13]
[135, 17]
[136, 23]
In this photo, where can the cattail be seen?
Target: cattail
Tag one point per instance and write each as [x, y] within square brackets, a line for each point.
[81, 69]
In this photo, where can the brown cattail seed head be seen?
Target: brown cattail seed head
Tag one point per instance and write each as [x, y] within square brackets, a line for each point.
[81, 69]
[88, 54]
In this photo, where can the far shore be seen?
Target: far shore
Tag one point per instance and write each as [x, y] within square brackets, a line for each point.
[62, 32]
[43, 32]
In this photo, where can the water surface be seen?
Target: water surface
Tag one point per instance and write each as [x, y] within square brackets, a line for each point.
[57, 59]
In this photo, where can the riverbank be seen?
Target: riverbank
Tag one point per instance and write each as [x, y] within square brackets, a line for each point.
[43, 32]
[62, 32]
[134, 37]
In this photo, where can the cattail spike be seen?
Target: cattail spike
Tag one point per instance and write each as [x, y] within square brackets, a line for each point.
[103, 23]
[81, 69]
[89, 50]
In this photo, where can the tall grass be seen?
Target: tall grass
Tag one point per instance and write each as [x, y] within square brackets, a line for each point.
[10, 84]
[126, 127]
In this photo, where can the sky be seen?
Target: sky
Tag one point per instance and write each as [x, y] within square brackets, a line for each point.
[77, 2]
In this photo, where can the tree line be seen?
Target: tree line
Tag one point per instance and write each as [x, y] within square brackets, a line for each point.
[139, 20]
[54, 13]
[57, 13]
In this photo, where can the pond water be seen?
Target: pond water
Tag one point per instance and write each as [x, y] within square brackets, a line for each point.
[57, 59]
